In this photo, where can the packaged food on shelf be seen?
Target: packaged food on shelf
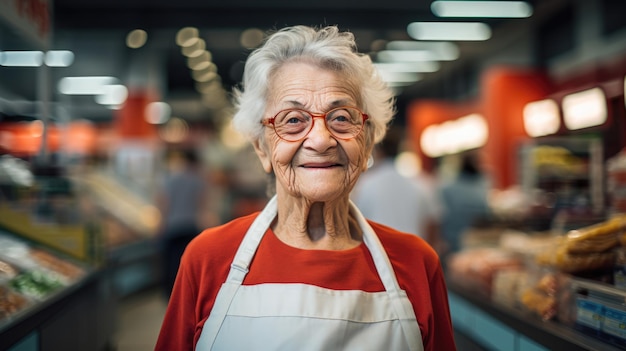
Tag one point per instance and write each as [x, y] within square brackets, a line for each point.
[566, 262]
[7, 270]
[508, 286]
[591, 248]
[11, 302]
[599, 237]
[542, 292]
[475, 268]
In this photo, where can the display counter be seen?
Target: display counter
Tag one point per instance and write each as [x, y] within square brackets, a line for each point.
[490, 326]
[51, 301]
[79, 317]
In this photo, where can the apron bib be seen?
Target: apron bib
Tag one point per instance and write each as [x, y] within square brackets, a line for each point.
[305, 317]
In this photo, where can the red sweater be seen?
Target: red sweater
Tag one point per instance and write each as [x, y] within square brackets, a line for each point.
[206, 262]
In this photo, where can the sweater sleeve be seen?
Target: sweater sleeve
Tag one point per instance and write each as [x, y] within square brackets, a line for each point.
[443, 335]
[177, 330]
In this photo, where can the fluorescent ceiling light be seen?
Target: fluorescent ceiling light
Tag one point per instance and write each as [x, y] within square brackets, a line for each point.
[443, 49]
[422, 66]
[21, 58]
[114, 95]
[400, 77]
[59, 58]
[405, 56]
[462, 31]
[584, 109]
[492, 9]
[85, 85]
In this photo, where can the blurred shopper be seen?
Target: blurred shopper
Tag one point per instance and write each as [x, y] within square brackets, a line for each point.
[384, 195]
[181, 201]
[309, 272]
[464, 200]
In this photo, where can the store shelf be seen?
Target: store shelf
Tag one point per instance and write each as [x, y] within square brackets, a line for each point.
[499, 327]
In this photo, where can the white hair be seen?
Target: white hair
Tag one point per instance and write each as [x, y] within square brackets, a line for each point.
[329, 49]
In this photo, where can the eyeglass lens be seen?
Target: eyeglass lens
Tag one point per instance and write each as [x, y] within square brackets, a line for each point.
[294, 124]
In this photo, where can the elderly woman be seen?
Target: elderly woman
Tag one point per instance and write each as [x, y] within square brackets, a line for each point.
[309, 272]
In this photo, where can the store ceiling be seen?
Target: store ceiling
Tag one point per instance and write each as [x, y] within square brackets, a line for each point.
[95, 31]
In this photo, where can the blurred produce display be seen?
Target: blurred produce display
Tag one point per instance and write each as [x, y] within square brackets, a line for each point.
[30, 274]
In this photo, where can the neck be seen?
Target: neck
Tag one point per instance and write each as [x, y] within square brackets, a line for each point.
[316, 225]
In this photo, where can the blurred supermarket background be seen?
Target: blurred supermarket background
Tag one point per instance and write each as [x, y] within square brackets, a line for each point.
[95, 95]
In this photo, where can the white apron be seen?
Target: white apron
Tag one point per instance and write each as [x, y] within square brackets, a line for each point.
[300, 317]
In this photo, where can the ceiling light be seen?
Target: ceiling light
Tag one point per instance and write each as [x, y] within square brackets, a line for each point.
[455, 31]
[421, 66]
[443, 50]
[59, 58]
[454, 136]
[195, 49]
[405, 56]
[199, 62]
[85, 85]
[400, 77]
[204, 76]
[114, 95]
[22, 58]
[186, 36]
[136, 38]
[491, 9]
[584, 109]
[415, 56]
[541, 118]
[158, 112]
[251, 38]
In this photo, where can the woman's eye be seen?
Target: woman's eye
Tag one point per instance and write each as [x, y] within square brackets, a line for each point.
[340, 117]
[292, 120]
[293, 117]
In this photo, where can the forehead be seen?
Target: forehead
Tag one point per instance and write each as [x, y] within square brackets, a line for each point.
[308, 85]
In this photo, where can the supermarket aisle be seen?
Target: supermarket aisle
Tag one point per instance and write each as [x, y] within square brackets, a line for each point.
[139, 320]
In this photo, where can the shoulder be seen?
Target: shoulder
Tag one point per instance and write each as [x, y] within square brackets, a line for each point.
[405, 247]
[218, 243]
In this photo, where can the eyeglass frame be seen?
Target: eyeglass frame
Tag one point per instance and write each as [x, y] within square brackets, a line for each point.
[270, 121]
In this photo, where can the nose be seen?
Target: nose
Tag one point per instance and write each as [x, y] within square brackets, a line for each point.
[320, 135]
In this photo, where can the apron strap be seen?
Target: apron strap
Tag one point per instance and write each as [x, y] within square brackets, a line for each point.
[250, 243]
[399, 300]
[238, 271]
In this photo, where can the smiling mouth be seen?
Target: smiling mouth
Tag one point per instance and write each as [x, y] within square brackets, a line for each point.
[320, 165]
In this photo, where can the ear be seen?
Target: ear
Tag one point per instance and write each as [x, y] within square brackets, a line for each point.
[262, 153]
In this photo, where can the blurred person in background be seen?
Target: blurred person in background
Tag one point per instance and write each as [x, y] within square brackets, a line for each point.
[464, 201]
[181, 201]
[390, 198]
[309, 272]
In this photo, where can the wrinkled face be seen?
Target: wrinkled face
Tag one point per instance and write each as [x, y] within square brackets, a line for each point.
[319, 167]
